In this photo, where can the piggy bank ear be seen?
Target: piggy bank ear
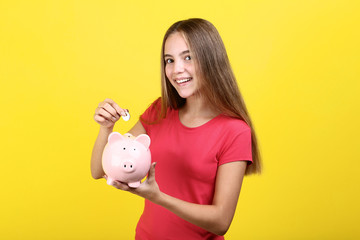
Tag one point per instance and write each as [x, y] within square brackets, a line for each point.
[115, 136]
[144, 140]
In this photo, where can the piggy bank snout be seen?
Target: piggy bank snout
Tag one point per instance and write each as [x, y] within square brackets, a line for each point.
[128, 166]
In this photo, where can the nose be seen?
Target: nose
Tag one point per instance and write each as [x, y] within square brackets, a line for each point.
[128, 166]
[178, 67]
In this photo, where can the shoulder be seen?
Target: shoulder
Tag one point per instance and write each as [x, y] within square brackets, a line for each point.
[229, 130]
[156, 105]
[154, 113]
[233, 131]
[232, 125]
[234, 140]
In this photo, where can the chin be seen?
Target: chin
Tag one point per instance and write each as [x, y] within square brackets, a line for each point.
[186, 95]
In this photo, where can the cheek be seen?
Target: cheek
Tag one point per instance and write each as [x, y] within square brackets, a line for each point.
[168, 71]
[168, 75]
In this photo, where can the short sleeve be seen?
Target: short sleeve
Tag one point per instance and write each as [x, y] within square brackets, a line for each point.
[237, 147]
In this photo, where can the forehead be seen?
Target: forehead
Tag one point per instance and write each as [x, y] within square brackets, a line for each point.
[175, 44]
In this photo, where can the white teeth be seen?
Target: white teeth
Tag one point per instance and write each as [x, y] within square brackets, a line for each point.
[183, 80]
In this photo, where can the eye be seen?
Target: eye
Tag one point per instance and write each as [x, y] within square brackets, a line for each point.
[169, 60]
[187, 58]
[124, 148]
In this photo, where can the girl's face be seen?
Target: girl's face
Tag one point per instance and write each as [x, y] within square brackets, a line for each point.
[179, 67]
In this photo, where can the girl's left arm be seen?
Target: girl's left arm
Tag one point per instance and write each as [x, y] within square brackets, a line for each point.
[215, 218]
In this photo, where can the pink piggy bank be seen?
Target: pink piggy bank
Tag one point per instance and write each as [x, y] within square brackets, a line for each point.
[126, 159]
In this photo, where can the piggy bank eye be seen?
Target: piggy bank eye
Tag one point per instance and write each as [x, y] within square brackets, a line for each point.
[134, 149]
[124, 148]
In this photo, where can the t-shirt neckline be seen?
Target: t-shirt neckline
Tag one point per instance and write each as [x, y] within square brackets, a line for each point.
[208, 123]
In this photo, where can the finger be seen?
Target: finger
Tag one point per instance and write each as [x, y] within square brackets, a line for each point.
[105, 114]
[121, 186]
[110, 109]
[119, 110]
[109, 100]
[151, 175]
[99, 119]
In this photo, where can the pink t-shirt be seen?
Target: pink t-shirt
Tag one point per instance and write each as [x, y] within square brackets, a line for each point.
[187, 161]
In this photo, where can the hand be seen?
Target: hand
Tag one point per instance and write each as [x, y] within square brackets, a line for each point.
[148, 189]
[108, 113]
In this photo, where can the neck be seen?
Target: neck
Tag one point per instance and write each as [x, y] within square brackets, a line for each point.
[196, 106]
[196, 112]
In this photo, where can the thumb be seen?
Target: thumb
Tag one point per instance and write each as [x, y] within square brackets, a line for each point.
[152, 171]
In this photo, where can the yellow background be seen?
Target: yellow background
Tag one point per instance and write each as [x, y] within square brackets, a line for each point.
[297, 65]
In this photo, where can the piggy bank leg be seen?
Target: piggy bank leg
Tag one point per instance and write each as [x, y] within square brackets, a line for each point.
[134, 184]
[110, 181]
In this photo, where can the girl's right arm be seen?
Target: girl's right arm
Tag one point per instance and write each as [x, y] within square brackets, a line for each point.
[96, 164]
[106, 115]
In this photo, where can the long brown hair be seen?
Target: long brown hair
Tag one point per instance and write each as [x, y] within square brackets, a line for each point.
[218, 82]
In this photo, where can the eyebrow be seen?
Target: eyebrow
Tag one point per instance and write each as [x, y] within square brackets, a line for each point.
[182, 53]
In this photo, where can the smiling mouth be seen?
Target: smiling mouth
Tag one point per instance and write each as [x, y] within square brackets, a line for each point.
[184, 80]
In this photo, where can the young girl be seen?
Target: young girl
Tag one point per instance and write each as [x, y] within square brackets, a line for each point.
[202, 139]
